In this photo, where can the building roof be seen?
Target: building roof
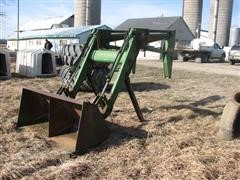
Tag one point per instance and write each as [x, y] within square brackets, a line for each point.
[3, 41]
[72, 32]
[44, 23]
[155, 23]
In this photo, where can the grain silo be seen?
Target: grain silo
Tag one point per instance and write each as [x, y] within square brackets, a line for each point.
[234, 36]
[80, 13]
[223, 20]
[87, 12]
[93, 12]
[192, 14]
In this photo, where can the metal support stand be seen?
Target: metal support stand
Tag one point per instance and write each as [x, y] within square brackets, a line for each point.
[133, 99]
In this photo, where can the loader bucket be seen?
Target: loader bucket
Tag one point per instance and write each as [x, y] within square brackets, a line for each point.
[81, 125]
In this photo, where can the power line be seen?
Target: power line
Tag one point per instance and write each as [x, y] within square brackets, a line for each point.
[2, 16]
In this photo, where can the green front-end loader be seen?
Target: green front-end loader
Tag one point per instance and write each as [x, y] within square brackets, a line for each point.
[86, 121]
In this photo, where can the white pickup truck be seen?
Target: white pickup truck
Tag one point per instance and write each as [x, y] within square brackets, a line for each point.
[234, 55]
[199, 50]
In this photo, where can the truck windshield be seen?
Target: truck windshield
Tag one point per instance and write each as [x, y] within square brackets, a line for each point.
[216, 46]
[236, 48]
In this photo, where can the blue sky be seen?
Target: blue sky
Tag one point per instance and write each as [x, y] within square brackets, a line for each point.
[113, 11]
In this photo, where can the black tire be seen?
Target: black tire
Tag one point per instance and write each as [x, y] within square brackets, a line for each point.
[232, 62]
[66, 50]
[179, 57]
[59, 60]
[98, 75]
[64, 73]
[62, 59]
[72, 50]
[63, 50]
[198, 60]
[78, 49]
[65, 59]
[75, 60]
[70, 60]
[204, 58]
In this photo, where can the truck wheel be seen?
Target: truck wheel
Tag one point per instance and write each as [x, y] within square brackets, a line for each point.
[180, 57]
[198, 60]
[204, 58]
[232, 62]
[222, 59]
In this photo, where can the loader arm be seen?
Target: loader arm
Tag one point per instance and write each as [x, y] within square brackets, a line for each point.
[122, 61]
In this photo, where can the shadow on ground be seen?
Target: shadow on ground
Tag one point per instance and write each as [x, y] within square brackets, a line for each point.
[205, 101]
[148, 86]
[197, 111]
[120, 134]
[139, 87]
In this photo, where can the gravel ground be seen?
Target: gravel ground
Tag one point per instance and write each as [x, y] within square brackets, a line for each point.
[216, 68]
[177, 140]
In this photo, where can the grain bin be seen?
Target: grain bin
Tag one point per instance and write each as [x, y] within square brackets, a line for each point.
[224, 21]
[80, 13]
[93, 12]
[32, 63]
[4, 65]
[234, 36]
[87, 12]
[192, 14]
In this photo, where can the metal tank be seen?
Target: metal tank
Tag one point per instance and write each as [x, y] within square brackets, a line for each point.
[192, 14]
[80, 13]
[234, 36]
[87, 12]
[211, 19]
[223, 22]
[93, 12]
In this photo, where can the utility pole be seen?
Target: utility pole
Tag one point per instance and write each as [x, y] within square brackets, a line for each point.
[18, 26]
[2, 15]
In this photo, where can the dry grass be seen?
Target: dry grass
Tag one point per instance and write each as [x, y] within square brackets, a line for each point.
[177, 140]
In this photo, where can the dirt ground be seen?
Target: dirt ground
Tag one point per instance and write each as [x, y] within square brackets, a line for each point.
[177, 140]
